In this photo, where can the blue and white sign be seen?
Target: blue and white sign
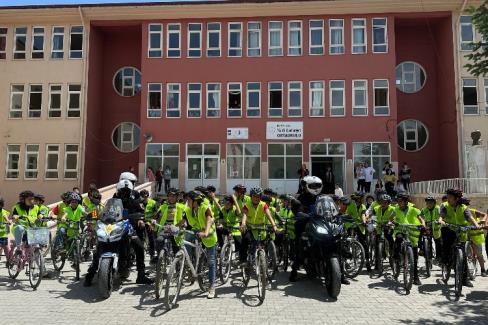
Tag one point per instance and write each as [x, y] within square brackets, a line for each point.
[237, 133]
[284, 130]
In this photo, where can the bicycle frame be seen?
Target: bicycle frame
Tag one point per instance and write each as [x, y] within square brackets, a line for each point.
[186, 256]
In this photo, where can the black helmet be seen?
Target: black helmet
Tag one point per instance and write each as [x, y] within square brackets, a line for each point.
[26, 194]
[430, 198]
[464, 200]
[268, 191]
[74, 197]
[403, 196]
[144, 194]
[239, 188]
[345, 200]
[266, 198]
[211, 188]
[196, 196]
[202, 189]
[40, 197]
[444, 197]
[173, 191]
[256, 191]
[455, 192]
[385, 198]
[96, 197]
[357, 196]
[284, 197]
[228, 198]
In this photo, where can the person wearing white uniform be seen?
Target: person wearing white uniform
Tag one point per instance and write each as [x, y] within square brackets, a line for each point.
[368, 177]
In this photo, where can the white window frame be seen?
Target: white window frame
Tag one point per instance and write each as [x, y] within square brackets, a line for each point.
[229, 84]
[163, 156]
[82, 42]
[243, 157]
[275, 29]
[260, 38]
[269, 99]
[312, 29]
[370, 158]
[416, 135]
[131, 142]
[400, 84]
[54, 34]
[341, 28]
[332, 89]
[290, 90]
[168, 93]
[46, 164]
[387, 97]
[284, 156]
[134, 90]
[68, 109]
[310, 98]
[462, 42]
[66, 153]
[230, 31]
[248, 92]
[29, 100]
[38, 34]
[26, 161]
[8, 157]
[189, 34]
[55, 92]
[386, 35]
[149, 92]
[214, 31]
[4, 36]
[22, 94]
[365, 34]
[168, 37]
[149, 45]
[219, 94]
[360, 88]
[188, 93]
[477, 96]
[15, 50]
[295, 29]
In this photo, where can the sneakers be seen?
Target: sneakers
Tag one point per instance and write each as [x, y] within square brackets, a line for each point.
[345, 281]
[293, 276]
[88, 280]
[153, 260]
[417, 282]
[211, 293]
[483, 273]
[143, 279]
[467, 283]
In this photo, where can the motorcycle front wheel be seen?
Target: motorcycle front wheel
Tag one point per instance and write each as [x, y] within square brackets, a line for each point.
[105, 277]
[333, 277]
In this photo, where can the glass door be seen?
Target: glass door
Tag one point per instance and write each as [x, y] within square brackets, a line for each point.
[202, 165]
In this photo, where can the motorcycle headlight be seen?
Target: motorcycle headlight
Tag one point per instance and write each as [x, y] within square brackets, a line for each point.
[322, 231]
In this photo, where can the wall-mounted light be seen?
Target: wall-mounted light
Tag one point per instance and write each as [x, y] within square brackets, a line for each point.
[148, 137]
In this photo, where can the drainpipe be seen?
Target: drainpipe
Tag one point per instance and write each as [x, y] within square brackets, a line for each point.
[84, 88]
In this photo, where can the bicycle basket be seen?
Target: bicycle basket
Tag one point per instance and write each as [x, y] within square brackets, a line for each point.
[38, 236]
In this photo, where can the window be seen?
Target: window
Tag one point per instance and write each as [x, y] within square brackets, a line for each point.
[76, 42]
[194, 100]
[234, 100]
[31, 159]
[466, 33]
[127, 81]
[55, 92]
[174, 41]
[295, 98]
[71, 161]
[316, 37]
[126, 137]
[213, 39]
[284, 160]
[253, 39]
[52, 161]
[412, 135]
[373, 153]
[155, 41]
[13, 161]
[154, 100]
[161, 155]
[35, 101]
[235, 39]
[486, 96]
[470, 97]
[410, 77]
[213, 100]
[336, 36]
[20, 40]
[294, 38]
[275, 99]
[74, 100]
[38, 43]
[16, 96]
[57, 43]
[337, 98]
[194, 40]
[316, 100]
[275, 38]
[253, 99]
[3, 43]
[244, 161]
[359, 43]
[380, 36]
[173, 100]
[360, 98]
[381, 97]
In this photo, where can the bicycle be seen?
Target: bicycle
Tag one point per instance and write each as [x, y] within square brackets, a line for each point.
[371, 240]
[88, 239]
[165, 257]
[197, 269]
[73, 251]
[271, 257]
[285, 250]
[405, 258]
[428, 246]
[381, 249]
[353, 256]
[227, 255]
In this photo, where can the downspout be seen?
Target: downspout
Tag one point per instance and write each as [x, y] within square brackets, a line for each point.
[84, 89]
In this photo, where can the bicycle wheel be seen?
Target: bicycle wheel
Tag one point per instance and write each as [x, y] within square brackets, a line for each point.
[408, 269]
[225, 262]
[427, 256]
[77, 258]
[372, 250]
[271, 260]
[57, 258]
[261, 274]
[285, 253]
[353, 258]
[472, 260]
[85, 247]
[202, 273]
[14, 265]
[161, 272]
[35, 268]
[379, 258]
[174, 280]
[446, 273]
[458, 272]
[45, 248]
[389, 253]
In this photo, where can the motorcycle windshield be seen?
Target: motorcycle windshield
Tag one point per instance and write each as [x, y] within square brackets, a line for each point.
[113, 211]
[325, 207]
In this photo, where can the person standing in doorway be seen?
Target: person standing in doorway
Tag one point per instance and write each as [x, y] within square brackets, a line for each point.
[338, 191]
[405, 176]
[360, 177]
[368, 177]
[159, 179]
[167, 178]
[329, 181]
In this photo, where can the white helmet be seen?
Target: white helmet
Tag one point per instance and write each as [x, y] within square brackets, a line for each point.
[312, 184]
[125, 184]
[128, 176]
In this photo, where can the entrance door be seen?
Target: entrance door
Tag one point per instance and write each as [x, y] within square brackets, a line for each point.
[328, 155]
[202, 165]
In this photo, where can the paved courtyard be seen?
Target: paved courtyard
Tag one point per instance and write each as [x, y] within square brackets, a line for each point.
[61, 300]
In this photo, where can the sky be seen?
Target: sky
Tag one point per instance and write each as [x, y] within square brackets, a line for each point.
[4, 3]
